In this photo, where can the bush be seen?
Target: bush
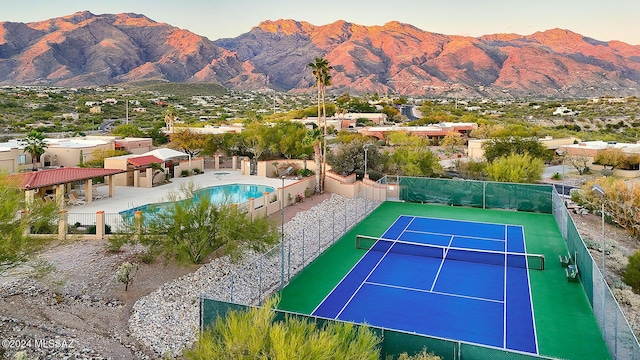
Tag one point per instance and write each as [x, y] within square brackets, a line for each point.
[375, 175]
[303, 173]
[423, 355]
[254, 334]
[631, 275]
[556, 176]
[184, 173]
[308, 192]
[126, 273]
[197, 171]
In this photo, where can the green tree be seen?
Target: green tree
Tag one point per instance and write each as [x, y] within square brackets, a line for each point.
[500, 147]
[254, 334]
[191, 227]
[348, 158]
[127, 130]
[289, 138]
[15, 246]
[516, 168]
[157, 136]
[452, 140]
[190, 142]
[259, 138]
[35, 146]
[320, 68]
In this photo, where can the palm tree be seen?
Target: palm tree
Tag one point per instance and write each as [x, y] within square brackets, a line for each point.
[320, 68]
[170, 116]
[313, 137]
[35, 146]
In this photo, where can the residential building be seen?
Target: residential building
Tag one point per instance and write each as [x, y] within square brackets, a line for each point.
[591, 149]
[476, 152]
[433, 132]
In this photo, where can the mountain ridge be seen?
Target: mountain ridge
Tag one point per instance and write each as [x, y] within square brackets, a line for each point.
[88, 49]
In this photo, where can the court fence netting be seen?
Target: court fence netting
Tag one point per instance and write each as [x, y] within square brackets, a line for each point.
[261, 278]
[499, 258]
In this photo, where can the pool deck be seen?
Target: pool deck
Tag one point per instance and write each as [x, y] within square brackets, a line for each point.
[127, 197]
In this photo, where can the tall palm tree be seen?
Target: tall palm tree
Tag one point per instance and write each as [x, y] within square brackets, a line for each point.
[34, 145]
[320, 68]
[170, 116]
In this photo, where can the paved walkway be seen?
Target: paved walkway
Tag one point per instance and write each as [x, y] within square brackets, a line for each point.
[127, 197]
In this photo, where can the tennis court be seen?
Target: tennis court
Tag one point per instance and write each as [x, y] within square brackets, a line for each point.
[563, 326]
[444, 278]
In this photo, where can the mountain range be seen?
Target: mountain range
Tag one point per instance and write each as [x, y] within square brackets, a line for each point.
[86, 49]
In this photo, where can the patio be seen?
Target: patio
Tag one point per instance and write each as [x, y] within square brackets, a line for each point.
[127, 197]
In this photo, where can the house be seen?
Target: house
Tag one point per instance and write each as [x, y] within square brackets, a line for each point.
[66, 152]
[565, 111]
[475, 151]
[432, 132]
[140, 171]
[591, 149]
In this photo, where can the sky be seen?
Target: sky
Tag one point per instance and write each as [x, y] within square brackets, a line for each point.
[215, 19]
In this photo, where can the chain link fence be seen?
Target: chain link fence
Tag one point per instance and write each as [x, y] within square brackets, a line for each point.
[269, 272]
[616, 331]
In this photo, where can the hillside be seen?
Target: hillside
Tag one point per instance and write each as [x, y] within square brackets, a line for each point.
[87, 49]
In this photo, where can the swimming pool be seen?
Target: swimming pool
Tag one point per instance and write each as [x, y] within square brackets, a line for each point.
[219, 194]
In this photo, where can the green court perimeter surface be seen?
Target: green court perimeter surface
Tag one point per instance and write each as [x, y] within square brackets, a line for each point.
[565, 325]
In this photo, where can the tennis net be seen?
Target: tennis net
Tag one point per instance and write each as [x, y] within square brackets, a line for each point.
[502, 258]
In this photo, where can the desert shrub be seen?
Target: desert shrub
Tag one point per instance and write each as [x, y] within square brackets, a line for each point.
[308, 192]
[304, 173]
[126, 273]
[197, 171]
[184, 173]
[253, 334]
[189, 230]
[556, 176]
[631, 275]
[423, 355]
[375, 175]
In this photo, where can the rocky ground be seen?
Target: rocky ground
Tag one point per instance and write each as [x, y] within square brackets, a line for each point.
[68, 305]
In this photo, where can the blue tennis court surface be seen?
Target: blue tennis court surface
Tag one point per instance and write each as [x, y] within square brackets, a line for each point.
[452, 279]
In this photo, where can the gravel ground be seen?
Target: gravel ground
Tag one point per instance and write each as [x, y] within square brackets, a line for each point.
[67, 304]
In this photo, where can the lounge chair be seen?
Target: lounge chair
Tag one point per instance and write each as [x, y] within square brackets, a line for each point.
[74, 199]
[97, 196]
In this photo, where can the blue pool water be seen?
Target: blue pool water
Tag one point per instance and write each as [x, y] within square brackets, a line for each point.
[221, 194]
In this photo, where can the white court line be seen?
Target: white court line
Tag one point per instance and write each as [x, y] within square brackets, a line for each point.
[460, 236]
[446, 250]
[370, 272]
[533, 314]
[435, 292]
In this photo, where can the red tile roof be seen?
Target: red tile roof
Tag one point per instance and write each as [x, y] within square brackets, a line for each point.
[42, 178]
[144, 160]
